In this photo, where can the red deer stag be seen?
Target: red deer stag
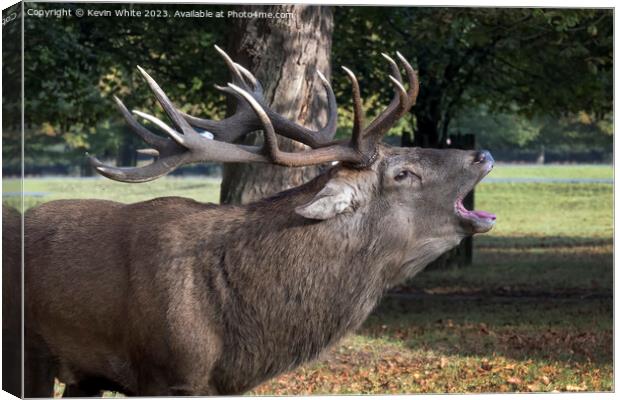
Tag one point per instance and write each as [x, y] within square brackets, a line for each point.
[174, 297]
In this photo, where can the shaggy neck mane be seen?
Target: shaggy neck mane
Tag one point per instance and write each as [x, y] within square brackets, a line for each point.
[276, 294]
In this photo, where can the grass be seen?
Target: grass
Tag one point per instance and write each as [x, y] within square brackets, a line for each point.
[534, 312]
[553, 171]
[48, 189]
[545, 210]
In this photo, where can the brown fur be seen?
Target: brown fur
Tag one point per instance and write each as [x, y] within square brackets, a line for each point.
[171, 296]
[11, 301]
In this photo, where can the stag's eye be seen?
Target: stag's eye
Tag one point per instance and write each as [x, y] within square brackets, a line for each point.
[404, 174]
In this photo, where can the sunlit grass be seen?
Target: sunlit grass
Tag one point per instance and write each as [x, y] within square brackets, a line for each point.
[554, 171]
[39, 190]
[547, 210]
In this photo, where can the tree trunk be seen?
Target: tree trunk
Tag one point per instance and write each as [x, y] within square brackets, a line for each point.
[284, 54]
[462, 255]
[427, 132]
[428, 118]
[127, 155]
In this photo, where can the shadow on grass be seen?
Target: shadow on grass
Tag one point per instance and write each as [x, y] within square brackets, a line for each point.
[553, 330]
[519, 242]
[546, 298]
[527, 266]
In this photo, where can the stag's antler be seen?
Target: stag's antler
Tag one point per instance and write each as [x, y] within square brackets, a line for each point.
[188, 146]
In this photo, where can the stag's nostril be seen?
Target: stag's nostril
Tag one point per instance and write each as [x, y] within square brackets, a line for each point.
[483, 156]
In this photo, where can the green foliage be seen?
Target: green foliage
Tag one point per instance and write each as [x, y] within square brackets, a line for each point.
[495, 130]
[511, 130]
[534, 62]
[581, 131]
[11, 88]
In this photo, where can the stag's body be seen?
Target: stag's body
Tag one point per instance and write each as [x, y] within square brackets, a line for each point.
[209, 299]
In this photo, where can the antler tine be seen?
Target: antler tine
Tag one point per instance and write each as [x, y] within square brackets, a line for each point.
[395, 72]
[145, 134]
[271, 141]
[167, 105]
[358, 113]
[179, 138]
[400, 91]
[414, 84]
[237, 77]
[256, 85]
[148, 152]
[405, 99]
[332, 108]
[138, 175]
[394, 67]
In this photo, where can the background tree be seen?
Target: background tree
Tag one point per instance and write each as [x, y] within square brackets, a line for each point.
[11, 90]
[285, 55]
[529, 61]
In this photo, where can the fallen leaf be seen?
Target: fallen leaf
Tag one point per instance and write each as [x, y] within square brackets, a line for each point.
[59, 388]
[514, 380]
[575, 388]
[533, 387]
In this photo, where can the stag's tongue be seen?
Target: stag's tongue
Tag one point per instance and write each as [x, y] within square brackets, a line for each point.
[474, 213]
[483, 214]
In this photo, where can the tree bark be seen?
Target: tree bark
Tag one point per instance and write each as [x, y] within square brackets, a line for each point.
[284, 54]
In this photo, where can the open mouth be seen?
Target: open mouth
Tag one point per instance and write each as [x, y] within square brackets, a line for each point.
[477, 220]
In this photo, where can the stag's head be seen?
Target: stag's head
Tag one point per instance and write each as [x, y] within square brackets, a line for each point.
[418, 192]
[414, 190]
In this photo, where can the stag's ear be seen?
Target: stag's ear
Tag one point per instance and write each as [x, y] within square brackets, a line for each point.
[335, 198]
